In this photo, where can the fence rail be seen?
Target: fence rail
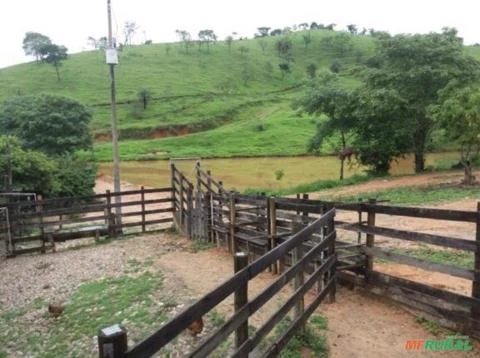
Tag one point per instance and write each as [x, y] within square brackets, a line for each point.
[320, 255]
[46, 221]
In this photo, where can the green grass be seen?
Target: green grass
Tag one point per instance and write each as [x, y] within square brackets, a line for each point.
[201, 246]
[419, 195]
[313, 186]
[97, 304]
[430, 326]
[194, 92]
[311, 338]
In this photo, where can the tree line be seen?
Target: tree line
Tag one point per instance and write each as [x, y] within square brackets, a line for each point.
[413, 85]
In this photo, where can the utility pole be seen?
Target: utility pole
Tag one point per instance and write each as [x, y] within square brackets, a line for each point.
[116, 155]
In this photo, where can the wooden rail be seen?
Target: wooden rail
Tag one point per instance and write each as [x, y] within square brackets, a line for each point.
[325, 272]
[44, 222]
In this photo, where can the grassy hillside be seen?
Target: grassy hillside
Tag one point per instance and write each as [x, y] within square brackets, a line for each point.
[233, 102]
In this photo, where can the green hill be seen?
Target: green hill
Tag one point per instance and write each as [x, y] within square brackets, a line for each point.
[236, 99]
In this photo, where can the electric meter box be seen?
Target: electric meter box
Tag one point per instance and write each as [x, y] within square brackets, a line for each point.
[112, 56]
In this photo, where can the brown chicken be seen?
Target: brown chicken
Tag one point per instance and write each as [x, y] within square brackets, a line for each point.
[55, 309]
[196, 327]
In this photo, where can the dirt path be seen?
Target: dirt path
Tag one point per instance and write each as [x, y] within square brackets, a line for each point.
[449, 177]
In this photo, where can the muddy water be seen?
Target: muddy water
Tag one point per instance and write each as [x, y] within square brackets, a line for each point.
[241, 173]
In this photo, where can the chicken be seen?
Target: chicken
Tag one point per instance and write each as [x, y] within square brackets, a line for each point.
[196, 327]
[55, 309]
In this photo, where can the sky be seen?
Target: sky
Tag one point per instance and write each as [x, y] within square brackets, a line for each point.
[71, 22]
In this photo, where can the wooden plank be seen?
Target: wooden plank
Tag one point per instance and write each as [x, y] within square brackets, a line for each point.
[382, 279]
[370, 241]
[426, 213]
[176, 325]
[423, 264]
[444, 241]
[253, 341]
[276, 348]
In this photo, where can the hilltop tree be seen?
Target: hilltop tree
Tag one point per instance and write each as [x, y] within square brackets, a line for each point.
[416, 68]
[459, 115]
[97, 44]
[229, 41]
[52, 124]
[303, 26]
[352, 28]
[330, 27]
[314, 26]
[207, 36]
[130, 28]
[262, 31]
[33, 42]
[276, 32]
[185, 37]
[54, 55]
[144, 95]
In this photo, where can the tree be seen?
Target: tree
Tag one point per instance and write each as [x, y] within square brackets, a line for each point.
[311, 70]
[416, 68]
[284, 47]
[54, 55]
[130, 28]
[330, 27]
[185, 37]
[29, 170]
[328, 98]
[54, 125]
[352, 28]
[307, 39]
[229, 41]
[74, 176]
[97, 44]
[262, 31]
[335, 67]
[285, 68]
[314, 26]
[144, 95]
[459, 115]
[33, 42]
[303, 26]
[207, 36]
[276, 32]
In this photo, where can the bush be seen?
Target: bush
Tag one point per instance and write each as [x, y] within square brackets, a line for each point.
[75, 177]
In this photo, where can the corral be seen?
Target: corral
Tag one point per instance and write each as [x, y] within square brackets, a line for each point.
[291, 236]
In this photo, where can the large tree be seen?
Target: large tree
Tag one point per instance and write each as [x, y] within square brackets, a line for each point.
[207, 36]
[54, 55]
[416, 68]
[459, 115]
[33, 42]
[327, 98]
[53, 124]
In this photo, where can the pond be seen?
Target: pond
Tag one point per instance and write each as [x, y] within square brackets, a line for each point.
[242, 173]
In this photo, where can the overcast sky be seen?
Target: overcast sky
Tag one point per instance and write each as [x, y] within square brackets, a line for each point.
[70, 22]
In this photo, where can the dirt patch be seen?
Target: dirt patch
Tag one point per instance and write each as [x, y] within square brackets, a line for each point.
[169, 132]
[450, 177]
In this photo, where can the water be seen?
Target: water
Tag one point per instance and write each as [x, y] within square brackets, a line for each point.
[242, 173]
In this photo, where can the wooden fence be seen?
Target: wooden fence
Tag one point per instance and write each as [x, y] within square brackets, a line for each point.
[257, 224]
[36, 225]
[312, 249]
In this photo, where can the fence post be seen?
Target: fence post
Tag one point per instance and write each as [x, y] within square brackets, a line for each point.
[112, 342]
[190, 210]
[241, 298]
[233, 241]
[333, 270]
[305, 213]
[172, 183]
[370, 238]
[181, 203]
[220, 209]
[272, 221]
[142, 198]
[299, 277]
[476, 277]
[110, 222]
[40, 218]
[208, 202]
